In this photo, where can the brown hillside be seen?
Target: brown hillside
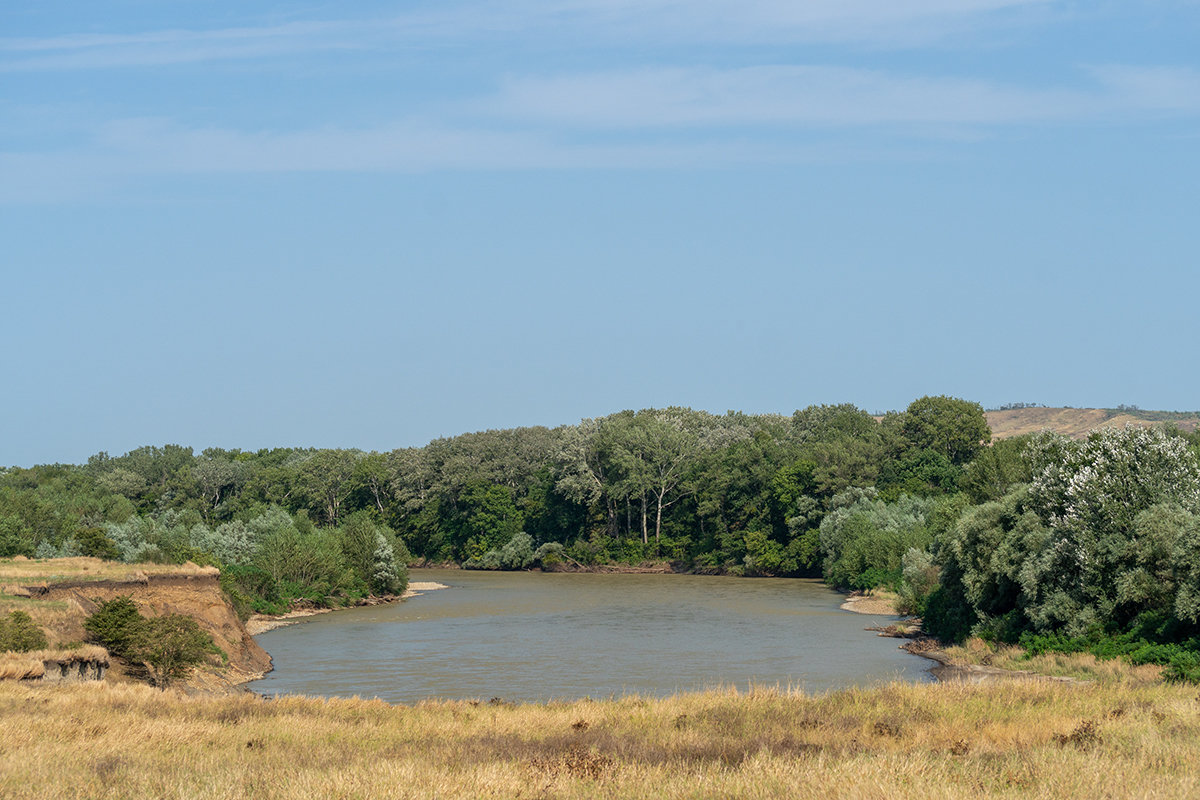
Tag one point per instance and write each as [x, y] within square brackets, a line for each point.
[1073, 422]
[60, 593]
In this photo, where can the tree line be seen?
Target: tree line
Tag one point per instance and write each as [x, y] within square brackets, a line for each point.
[733, 493]
[1038, 537]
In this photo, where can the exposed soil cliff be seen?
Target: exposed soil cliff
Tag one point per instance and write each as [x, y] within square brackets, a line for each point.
[192, 591]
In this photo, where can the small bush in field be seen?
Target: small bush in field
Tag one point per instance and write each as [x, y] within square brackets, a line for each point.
[19, 632]
[117, 625]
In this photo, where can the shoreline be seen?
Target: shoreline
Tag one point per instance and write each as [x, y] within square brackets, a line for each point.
[945, 669]
[261, 623]
[872, 604]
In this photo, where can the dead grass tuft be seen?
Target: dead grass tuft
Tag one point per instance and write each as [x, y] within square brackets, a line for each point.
[20, 667]
[31, 665]
[1086, 734]
[576, 763]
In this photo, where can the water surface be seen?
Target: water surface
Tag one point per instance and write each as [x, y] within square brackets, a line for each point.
[527, 636]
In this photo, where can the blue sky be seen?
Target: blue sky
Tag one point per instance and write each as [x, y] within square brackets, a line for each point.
[371, 224]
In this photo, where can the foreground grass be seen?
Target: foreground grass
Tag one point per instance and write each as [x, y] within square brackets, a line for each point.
[1017, 739]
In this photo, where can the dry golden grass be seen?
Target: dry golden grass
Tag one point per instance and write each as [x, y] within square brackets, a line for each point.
[1081, 666]
[1074, 422]
[1016, 739]
[31, 664]
[19, 571]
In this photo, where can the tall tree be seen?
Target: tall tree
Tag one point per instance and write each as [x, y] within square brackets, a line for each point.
[326, 478]
[952, 427]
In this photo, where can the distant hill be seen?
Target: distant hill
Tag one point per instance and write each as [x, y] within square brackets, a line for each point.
[1077, 422]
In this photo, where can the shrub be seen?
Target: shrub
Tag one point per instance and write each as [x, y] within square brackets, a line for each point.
[863, 540]
[171, 646]
[117, 625]
[550, 554]
[93, 542]
[919, 578]
[518, 553]
[20, 633]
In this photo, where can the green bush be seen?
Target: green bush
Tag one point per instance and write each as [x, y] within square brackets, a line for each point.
[93, 542]
[171, 646]
[20, 633]
[948, 616]
[550, 554]
[117, 625]
[517, 553]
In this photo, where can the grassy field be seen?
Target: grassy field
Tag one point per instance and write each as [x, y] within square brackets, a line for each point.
[28, 571]
[1016, 739]
[1078, 422]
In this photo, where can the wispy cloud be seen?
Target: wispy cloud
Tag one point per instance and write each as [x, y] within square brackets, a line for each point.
[145, 148]
[777, 95]
[95, 51]
[787, 20]
[650, 118]
[582, 22]
[799, 95]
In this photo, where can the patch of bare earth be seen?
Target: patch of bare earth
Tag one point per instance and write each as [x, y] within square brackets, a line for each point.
[876, 603]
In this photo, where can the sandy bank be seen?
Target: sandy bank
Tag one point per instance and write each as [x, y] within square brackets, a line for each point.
[261, 623]
[876, 604]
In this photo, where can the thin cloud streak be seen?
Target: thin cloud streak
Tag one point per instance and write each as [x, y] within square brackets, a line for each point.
[663, 118]
[591, 22]
[830, 96]
[99, 51]
[874, 21]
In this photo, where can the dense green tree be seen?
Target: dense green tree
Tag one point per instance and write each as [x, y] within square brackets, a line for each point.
[997, 469]
[957, 429]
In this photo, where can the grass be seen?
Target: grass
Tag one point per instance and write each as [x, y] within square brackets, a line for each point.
[1077, 422]
[1015, 739]
[1080, 666]
[25, 571]
[22, 666]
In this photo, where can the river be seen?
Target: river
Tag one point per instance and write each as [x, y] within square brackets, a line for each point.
[527, 636]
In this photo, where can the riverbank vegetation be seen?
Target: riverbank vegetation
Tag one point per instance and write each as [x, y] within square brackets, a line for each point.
[1056, 543]
[1019, 738]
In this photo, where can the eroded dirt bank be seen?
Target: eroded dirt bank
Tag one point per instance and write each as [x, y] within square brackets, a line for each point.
[195, 593]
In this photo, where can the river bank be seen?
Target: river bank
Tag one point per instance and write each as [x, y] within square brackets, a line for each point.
[261, 623]
[976, 661]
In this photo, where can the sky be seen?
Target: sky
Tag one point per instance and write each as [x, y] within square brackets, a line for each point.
[371, 224]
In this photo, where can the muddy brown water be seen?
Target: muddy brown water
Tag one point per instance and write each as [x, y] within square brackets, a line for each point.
[538, 637]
